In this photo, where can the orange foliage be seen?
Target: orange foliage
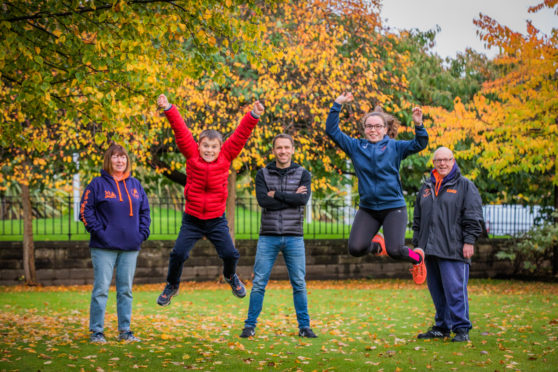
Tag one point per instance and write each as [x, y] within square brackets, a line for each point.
[512, 123]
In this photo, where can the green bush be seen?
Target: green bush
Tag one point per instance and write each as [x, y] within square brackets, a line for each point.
[533, 251]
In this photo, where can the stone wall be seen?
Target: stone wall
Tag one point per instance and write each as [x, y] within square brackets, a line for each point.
[67, 263]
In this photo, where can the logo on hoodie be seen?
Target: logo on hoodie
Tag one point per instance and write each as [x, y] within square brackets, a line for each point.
[426, 193]
[110, 195]
[135, 193]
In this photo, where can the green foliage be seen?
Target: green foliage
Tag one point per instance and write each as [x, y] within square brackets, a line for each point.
[77, 75]
[534, 250]
[434, 81]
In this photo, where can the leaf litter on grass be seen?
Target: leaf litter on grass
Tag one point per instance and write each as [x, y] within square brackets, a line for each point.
[359, 323]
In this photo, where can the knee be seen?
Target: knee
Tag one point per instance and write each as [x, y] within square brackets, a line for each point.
[230, 255]
[258, 284]
[298, 285]
[177, 255]
[397, 251]
[358, 250]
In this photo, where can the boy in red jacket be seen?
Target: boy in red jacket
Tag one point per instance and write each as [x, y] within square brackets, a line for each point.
[207, 171]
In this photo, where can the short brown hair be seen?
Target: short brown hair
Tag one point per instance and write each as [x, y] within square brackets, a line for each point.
[391, 122]
[211, 134]
[115, 149]
[282, 135]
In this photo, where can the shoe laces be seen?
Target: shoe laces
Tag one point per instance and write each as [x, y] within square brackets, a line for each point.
[167, 291]
[417, 269]
[235, 281]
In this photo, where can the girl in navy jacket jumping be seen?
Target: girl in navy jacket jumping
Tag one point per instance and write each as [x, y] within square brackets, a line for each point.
[376, 160]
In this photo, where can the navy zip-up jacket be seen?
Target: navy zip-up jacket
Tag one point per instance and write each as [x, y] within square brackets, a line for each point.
[448, 213]
[115, 213]
[376, 164]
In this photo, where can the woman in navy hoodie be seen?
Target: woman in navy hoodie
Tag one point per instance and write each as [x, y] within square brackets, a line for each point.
[115, 211]
[376, 160]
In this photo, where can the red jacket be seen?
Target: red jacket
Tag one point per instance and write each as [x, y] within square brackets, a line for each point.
[206, 183]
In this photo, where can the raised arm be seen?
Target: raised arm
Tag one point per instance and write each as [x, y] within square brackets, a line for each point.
[420, 141]
[235, 143]
[184, 139]
[332, 124]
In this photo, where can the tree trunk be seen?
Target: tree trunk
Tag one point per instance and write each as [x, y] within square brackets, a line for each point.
[28, 245]
[231, 201]
[555, 250]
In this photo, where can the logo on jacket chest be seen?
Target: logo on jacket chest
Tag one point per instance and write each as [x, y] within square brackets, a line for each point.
[135, 193]
[110, 195]
[426, 193]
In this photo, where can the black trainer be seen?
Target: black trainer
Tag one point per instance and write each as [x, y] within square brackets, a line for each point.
[238, 288]
[248, 332]
[168, 293]
[434, 332]
[461, 335]
[307, 332]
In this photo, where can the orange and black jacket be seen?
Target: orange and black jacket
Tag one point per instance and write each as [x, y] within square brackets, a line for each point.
[115, 212]
[447, 214]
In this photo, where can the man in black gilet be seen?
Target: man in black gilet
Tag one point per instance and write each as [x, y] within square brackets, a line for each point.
[282, 190]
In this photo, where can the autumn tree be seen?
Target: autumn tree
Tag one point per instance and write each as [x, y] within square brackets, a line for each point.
[511, 125]
[320, 48]
[76, 75]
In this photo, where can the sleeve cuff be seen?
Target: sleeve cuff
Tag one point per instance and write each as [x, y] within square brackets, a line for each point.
[169, 107]
[254, 115]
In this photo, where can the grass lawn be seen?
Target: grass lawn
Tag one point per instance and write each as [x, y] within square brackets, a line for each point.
[362, 326]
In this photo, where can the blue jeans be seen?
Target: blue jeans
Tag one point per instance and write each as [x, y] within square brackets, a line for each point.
[192, 230]
[293, 252]
[447, 283]
[104, 262]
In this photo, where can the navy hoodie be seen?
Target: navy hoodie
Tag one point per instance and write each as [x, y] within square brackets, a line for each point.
[116, 213]
[376, 164]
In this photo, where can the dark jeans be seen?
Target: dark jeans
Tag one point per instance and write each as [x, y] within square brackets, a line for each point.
[447, 283]
[192, 230]
[367, 223]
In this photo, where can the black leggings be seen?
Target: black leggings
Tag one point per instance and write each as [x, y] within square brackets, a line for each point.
[366, 225]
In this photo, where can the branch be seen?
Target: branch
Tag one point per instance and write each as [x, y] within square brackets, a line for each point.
[173, 175]
[81, 10]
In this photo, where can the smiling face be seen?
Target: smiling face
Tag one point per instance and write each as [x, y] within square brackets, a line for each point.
[209, 149]
[374, 129]
[118, 163]
[443, 161]
[283, 150]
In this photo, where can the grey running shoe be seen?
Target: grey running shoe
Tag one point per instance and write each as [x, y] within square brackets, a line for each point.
[165, 297]
[97, 338]
[238, 288]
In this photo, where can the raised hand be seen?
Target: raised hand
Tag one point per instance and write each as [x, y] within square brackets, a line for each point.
[258, 108]
[417, 115]
[162, 101]
[344, 97]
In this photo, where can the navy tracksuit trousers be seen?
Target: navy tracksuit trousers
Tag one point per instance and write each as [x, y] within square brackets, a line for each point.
[447, 283]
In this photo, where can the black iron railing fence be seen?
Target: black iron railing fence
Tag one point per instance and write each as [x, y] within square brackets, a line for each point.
[56, 218]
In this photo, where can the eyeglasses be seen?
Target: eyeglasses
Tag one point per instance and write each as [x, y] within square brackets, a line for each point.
[114, 157]
[438, 161]
[375, 127]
